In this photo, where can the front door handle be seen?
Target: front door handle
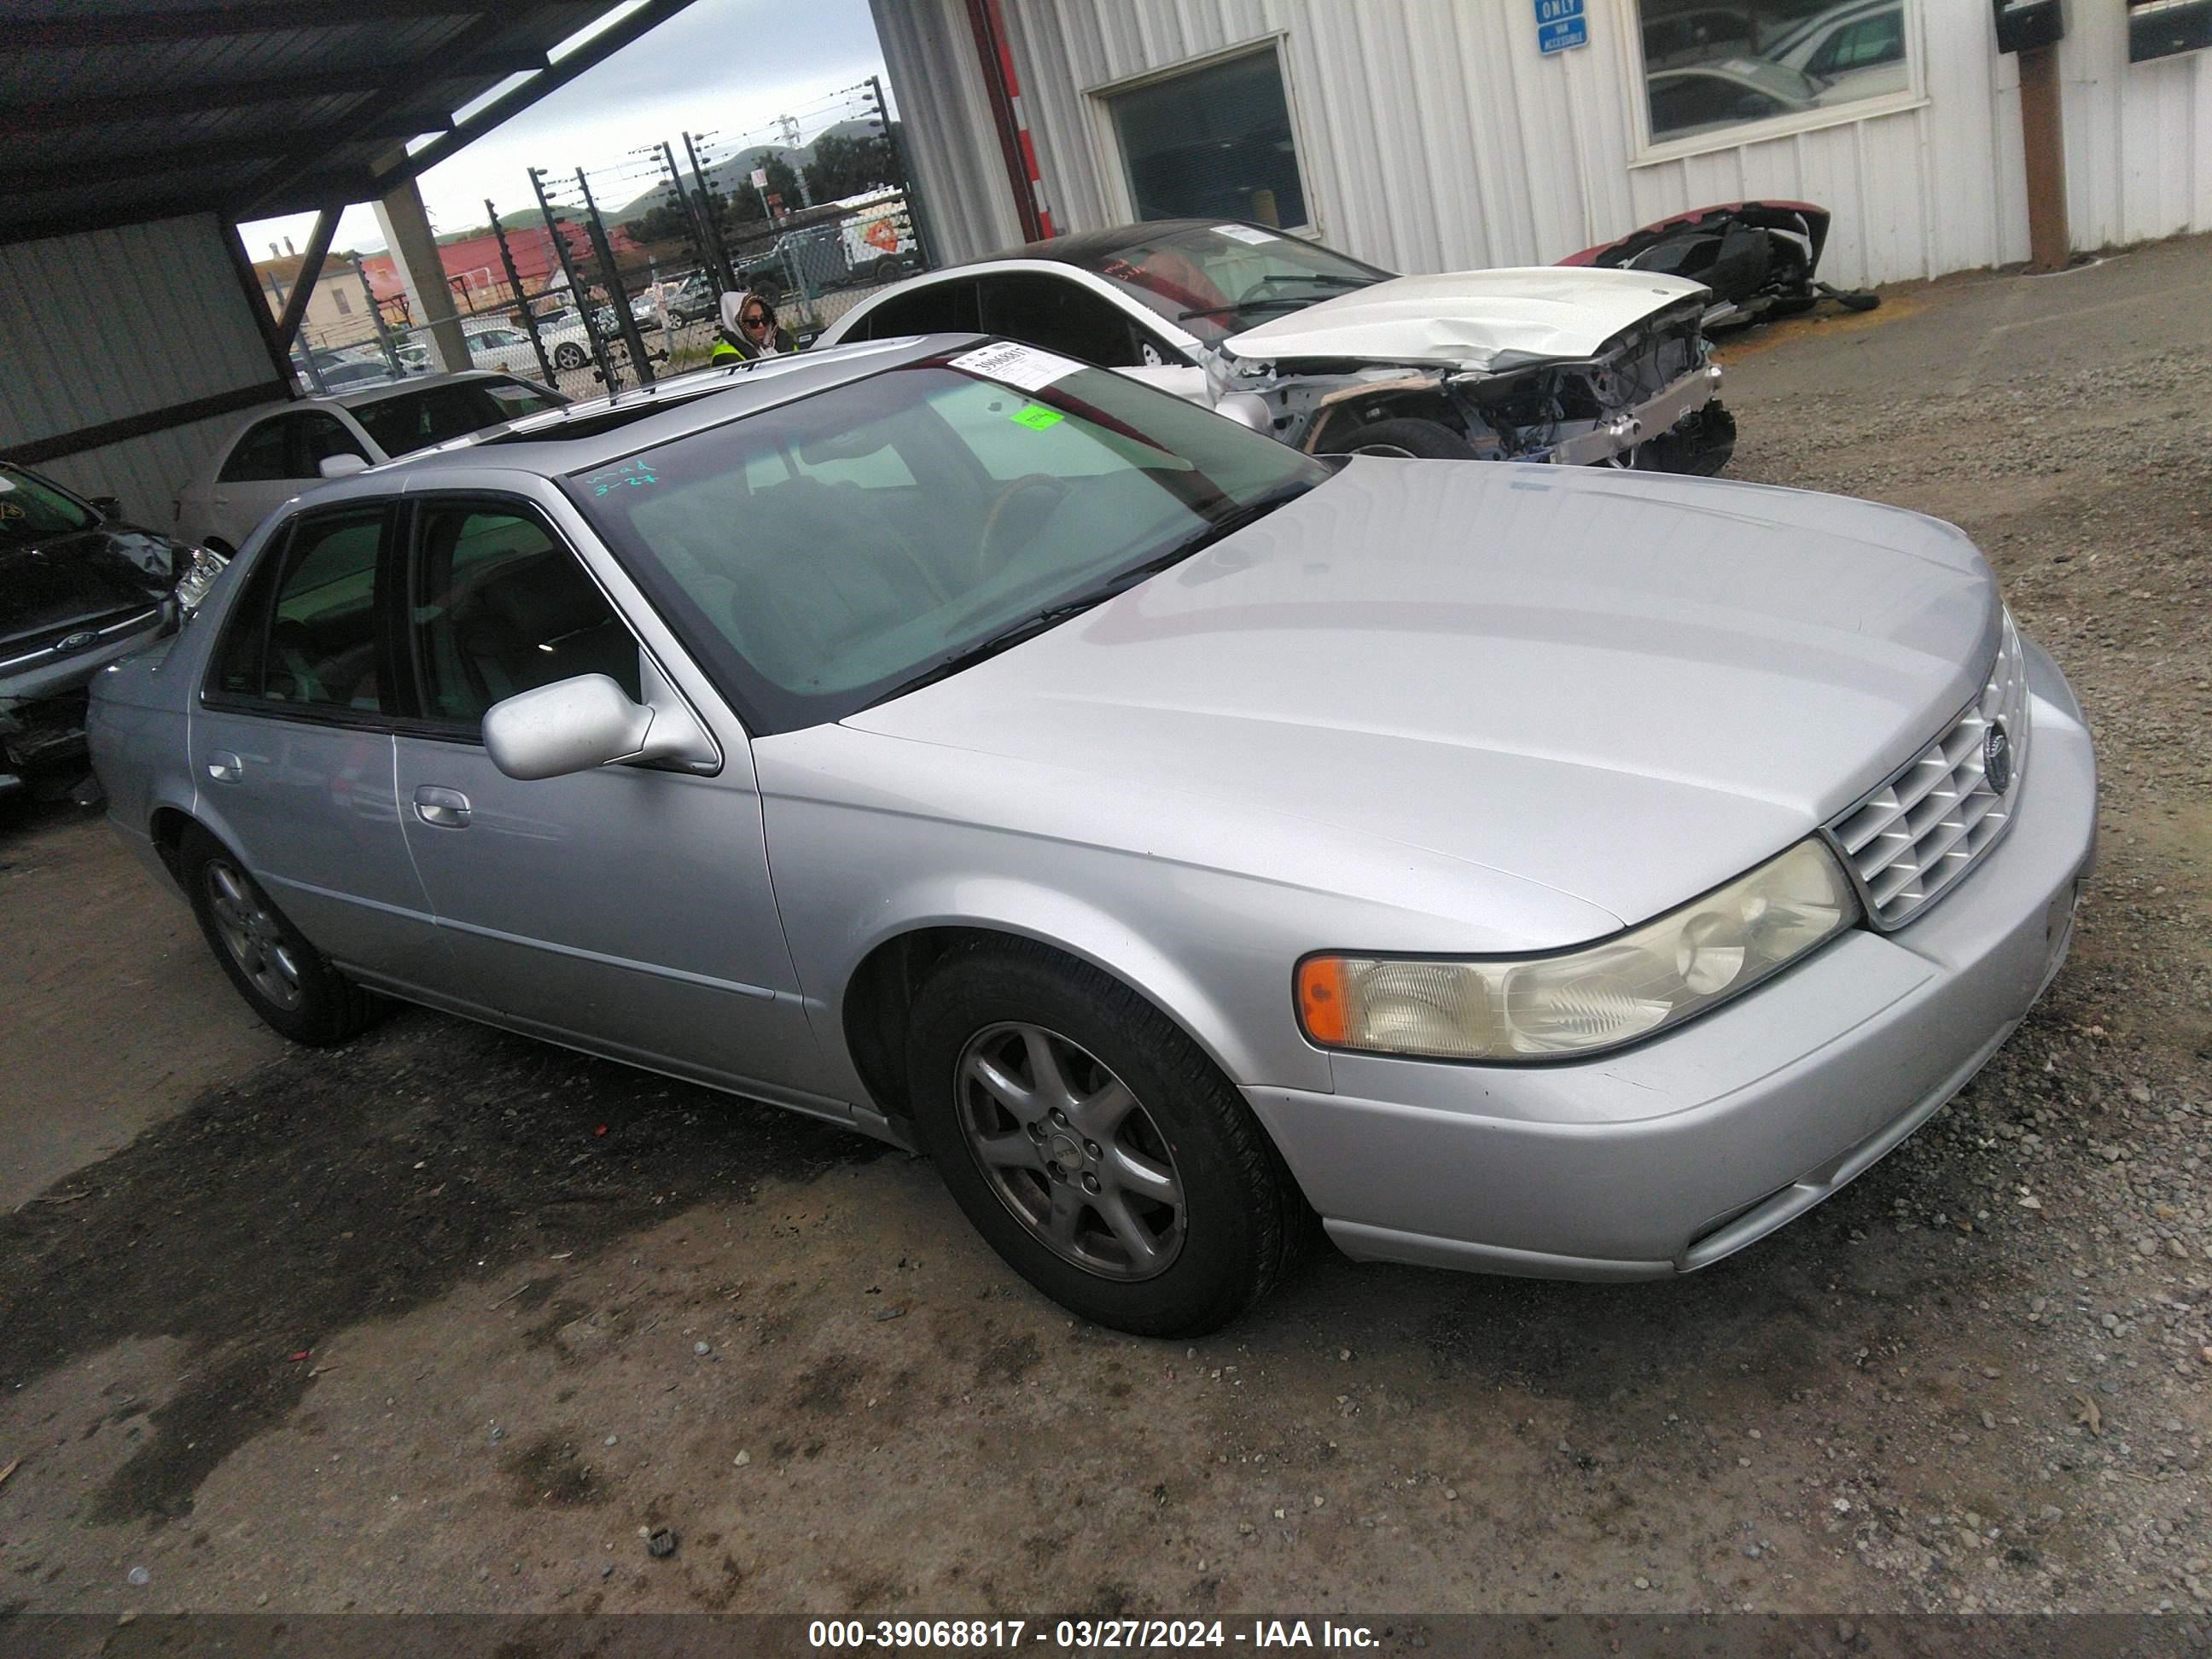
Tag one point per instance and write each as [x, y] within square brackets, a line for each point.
[224, 767]
[448, 808]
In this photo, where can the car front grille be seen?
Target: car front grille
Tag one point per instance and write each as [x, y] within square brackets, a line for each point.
[1912, 839]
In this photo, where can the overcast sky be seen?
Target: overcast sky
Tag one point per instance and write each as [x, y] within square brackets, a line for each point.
[726, 66]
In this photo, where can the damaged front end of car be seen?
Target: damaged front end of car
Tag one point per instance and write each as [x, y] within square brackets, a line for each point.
[1648, 397]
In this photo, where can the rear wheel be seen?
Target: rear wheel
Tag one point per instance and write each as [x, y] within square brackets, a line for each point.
[887, 269]
[768, 292]
[567, 355]
[1407, 438]
[282, 977]
[1094, 1144]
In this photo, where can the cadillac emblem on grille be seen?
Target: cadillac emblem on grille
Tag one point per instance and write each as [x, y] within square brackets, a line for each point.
[1996, 758]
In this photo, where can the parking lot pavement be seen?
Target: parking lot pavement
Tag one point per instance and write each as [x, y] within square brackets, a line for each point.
[444, 1319]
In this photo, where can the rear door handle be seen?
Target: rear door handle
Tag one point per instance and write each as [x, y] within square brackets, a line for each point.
[448, 808]
[224, 767]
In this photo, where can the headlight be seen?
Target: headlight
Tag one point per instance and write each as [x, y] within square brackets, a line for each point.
[200, 572]
[1584, 1000]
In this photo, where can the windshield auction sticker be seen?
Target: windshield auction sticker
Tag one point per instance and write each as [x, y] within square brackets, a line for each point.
[1017, 365]
[1246, 234]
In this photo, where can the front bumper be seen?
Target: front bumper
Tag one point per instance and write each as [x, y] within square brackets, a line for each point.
[1650, 419]
[1669, 1157]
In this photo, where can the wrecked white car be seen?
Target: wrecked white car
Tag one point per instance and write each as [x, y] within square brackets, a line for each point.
[1332, 356]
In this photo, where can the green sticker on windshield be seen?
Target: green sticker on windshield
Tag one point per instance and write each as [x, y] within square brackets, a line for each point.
[1036, 416]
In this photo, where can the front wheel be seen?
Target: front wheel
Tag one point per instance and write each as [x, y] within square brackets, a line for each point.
[1405, 438]
[1094, 1144]
[567, 355]
[282, 977]
[768, 292]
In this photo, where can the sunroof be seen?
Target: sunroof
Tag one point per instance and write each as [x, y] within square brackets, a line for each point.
[560, 425]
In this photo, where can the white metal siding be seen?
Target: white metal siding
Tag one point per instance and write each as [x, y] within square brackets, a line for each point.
[945, 118]
[1433, 137]
[111, 323]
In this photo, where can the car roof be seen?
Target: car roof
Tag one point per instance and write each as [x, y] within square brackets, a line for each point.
[1084, 246]
[557, 442]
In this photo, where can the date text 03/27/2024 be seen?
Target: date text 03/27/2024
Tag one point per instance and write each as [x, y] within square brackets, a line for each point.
[1085, 1634]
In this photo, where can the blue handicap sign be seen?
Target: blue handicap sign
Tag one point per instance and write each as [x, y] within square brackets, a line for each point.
[1560, 24]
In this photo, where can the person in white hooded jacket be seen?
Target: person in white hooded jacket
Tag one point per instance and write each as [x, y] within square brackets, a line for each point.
[749, 330]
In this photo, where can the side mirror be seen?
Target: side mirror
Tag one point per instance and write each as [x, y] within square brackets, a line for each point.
[577, 724]
[107, 506]
[341, 467]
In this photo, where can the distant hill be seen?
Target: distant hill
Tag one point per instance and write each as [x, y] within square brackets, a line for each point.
[735, 172]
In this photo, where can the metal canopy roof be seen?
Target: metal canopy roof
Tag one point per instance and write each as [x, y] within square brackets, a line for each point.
[116, 111]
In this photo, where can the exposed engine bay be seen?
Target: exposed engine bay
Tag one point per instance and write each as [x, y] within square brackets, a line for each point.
[1648, 398]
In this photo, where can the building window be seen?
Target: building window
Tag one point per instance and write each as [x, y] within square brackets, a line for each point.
[1708, 68]
[344, 304]
[1212, 142]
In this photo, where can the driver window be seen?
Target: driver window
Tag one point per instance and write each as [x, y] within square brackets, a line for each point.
[1058, 315]
[500, 606]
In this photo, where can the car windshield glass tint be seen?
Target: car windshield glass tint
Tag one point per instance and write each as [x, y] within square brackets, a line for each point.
[1220, 280]
[32, 510]
[820, 556]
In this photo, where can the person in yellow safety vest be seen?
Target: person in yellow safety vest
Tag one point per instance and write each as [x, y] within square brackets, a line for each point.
[748, 330]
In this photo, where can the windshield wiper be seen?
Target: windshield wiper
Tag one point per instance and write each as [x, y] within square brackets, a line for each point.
[1285, 303]
[1037, 622]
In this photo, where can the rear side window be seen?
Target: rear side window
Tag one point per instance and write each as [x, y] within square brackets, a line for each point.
[261, 455]
[305, 634]
[501, 606]
[439, 414]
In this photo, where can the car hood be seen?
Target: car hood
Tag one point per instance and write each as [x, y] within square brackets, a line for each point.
[1470, 318]
[70, 579]
[1624, 688]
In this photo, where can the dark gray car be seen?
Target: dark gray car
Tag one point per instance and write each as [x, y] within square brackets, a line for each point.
[1543, 870]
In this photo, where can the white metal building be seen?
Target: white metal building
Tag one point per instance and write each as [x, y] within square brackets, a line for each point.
[1434, 135]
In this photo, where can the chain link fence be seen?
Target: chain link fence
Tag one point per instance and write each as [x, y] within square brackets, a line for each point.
[614, 276]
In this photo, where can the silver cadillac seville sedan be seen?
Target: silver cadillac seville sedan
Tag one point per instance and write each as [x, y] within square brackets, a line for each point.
[1562, 872]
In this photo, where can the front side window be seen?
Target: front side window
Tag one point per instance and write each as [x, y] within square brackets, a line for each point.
[305, 636]
[1054, 313]
[1212, 142]
[811, 573]
[500, 606]
[948, 308]
[1710, 67]
[262, 456]
[321, 436]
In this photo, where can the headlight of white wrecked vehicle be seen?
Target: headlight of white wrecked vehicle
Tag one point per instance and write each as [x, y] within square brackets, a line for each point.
[1598, 997]
[200, 572]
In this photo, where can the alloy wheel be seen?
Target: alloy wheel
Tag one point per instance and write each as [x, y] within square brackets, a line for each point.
[254, 936]
[1070, 1151]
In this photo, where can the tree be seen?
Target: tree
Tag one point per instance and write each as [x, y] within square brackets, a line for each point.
[665, 223]
[850, 166]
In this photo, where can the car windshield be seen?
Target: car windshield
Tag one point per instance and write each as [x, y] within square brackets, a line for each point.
[1220, 280]
[842, 549]
[438, 414]
[33, 511]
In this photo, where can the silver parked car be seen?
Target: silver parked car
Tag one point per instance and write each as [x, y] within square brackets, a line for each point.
[1541, 870]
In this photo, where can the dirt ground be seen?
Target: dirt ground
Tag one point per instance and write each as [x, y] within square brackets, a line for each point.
[444, 1320]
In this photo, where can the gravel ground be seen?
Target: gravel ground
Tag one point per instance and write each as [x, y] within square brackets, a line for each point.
[451, 1321]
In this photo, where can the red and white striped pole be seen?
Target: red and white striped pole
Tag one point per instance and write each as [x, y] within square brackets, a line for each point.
[1004, 85]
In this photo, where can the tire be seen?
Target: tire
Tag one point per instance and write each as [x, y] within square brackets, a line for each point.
[567, 355]
[1428, 441]
[1218, 1232]
[887, 269]
[768, 292]
[216, 545]
[311, 1002]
